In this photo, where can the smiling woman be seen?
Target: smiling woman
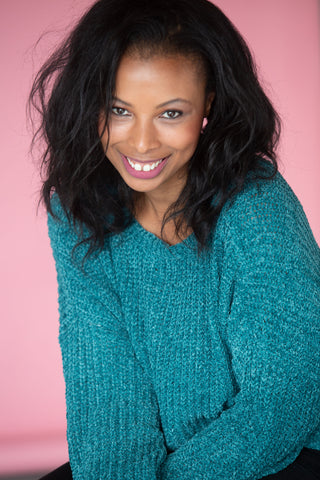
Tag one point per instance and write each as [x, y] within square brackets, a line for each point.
[159, 107]
[144, 131]
[188, 274]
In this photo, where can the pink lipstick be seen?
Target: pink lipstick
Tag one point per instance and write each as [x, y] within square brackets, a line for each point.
[146, 169]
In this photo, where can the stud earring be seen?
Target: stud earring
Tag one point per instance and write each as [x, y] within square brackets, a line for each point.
[204, 124]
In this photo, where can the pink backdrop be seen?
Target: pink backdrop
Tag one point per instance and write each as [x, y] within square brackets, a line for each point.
[285, 38]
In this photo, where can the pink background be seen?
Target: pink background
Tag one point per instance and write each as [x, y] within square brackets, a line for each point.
[285, 38]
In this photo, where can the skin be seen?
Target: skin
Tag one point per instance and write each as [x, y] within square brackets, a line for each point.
[158, 111]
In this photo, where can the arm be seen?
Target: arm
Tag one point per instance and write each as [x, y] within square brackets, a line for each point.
[272, 324]
[112, 414]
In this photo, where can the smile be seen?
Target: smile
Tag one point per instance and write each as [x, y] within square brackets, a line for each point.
[144, 169]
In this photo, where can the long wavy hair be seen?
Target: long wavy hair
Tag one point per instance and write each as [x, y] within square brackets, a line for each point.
[77, 83]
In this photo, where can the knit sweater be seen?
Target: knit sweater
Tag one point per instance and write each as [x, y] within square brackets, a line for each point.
[187, 367]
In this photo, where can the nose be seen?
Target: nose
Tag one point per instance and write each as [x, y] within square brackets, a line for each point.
[144, 136]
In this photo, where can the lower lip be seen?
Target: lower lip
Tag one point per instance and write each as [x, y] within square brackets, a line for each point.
[141, 174]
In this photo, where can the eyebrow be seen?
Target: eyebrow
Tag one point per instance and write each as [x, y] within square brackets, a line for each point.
[174, 100]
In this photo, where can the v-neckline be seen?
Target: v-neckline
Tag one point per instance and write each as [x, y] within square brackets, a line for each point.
[147, 241]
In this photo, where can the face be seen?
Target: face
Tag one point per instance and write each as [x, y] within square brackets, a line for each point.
[156, 120]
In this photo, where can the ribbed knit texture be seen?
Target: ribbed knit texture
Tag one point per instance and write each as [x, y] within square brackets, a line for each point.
[180, 367]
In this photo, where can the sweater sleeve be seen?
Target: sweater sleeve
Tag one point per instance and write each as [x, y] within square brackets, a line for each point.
[272, 322]
[113, 426]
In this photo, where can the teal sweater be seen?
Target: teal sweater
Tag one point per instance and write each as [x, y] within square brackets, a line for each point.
[179, 367]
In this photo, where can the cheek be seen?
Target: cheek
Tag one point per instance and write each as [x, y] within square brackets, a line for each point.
[104, 141]
[117, 133]
[186, 137]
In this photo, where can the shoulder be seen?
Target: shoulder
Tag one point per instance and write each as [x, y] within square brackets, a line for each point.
[266, 215]
[69, 248]
[262, 202]
[59, 219]
[272, 195]
[64, 233]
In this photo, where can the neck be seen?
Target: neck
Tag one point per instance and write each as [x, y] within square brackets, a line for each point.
[149, 212]
[152, 206]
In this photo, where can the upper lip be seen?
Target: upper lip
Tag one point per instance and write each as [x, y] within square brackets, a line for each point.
[144, 161]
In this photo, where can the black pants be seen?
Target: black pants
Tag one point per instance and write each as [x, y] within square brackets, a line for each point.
[305, 467]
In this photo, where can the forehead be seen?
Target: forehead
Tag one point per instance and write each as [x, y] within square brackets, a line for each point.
[160, 75]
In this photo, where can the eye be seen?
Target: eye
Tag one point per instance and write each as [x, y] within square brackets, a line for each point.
[172, 114]
[119, 111]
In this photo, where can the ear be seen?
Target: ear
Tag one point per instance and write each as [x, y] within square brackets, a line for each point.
[209, 100]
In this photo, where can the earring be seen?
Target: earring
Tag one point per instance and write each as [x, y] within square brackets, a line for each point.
[204, 124]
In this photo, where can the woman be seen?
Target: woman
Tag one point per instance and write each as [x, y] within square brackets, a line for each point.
[188, 275]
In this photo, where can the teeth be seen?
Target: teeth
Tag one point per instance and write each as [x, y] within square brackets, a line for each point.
[146, 167]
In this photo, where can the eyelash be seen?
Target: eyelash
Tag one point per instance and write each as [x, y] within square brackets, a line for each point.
[177, 113]
[118, 109]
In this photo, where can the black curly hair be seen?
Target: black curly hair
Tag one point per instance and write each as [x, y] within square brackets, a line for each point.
[77, 83]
